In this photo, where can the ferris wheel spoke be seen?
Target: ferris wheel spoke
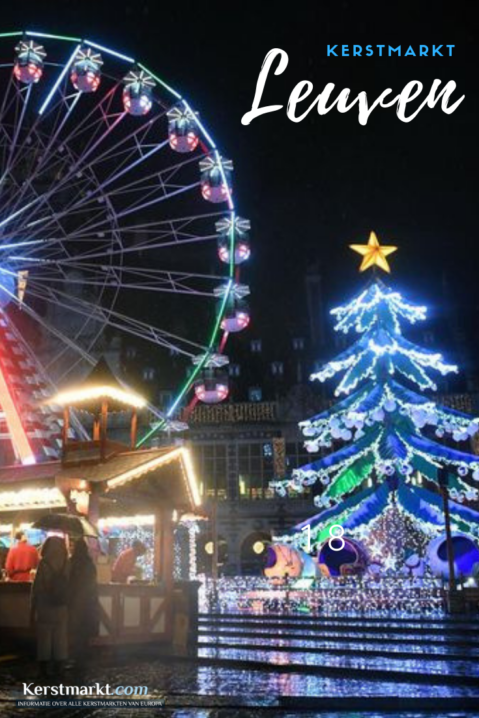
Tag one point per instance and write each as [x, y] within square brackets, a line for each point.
[35, 245]
[95, 312]
[54, 331]
[34, 133]
[83, 356]
[119, 271]
[87, 126]
[41, 369]
[18, 128]
[41, 199]
[67, 343]
[175, 225]
[6, 98]
[29, 261]
[138, 206]
[107, 155]
[132, 278]
[139, 185]
[59, 123]
[174, 235]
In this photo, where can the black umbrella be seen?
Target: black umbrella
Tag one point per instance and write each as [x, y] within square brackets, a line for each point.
[75, 525]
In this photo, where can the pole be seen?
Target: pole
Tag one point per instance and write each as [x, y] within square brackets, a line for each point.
[66, 427]
[443, 483]
[214, 531]
[133, 429]
[103, 428]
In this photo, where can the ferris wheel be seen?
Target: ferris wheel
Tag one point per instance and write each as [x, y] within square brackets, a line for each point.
[116, 218]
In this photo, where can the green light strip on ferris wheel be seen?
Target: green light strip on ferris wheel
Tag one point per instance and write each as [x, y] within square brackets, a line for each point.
[232, 246]
[214, 337]
[160, 81]
[197, 368]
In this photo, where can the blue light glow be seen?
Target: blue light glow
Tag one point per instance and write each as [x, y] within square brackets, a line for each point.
[59, 80]
[114, 53]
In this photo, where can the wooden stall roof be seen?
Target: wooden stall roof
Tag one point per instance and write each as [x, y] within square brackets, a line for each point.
[18, 473]
[166, 472]
[100, 384]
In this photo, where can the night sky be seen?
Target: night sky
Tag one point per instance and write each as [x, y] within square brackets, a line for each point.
[312, 188]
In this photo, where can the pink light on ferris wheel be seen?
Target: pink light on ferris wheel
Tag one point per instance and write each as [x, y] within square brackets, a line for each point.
[136, 105]
[242, 252]
[86, 72]
[236, 321]
[29, 73]
[212, 394]
[28, 64]
[137, 93]
[183, 143]
[215, 192]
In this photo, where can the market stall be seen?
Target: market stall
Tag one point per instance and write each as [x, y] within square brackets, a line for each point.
[109, 483]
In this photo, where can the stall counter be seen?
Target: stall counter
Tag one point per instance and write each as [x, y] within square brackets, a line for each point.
[141, 613]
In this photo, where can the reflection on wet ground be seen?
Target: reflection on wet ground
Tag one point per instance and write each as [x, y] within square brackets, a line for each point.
[245, 666]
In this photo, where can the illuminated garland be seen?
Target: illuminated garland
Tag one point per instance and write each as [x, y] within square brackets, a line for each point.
[233, 413]
[351, 596]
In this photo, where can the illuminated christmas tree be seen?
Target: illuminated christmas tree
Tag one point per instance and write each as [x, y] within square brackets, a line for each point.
[384, 438]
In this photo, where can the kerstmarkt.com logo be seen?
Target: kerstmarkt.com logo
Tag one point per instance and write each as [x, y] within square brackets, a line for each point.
[96, 690]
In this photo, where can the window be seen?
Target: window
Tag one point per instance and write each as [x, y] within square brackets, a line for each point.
[268, 451]
[256, 470]
[131, 352]
[277, 368]
[211, 463]
[255, 393]
[148, 373]
[297, 456]
[298, 344]
[256, 346]
[234, 370]
[165, 399]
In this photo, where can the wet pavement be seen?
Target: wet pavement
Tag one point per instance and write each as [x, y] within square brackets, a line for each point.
[268, 666]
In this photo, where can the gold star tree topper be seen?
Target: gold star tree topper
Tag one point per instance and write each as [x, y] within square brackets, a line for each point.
[373, 253]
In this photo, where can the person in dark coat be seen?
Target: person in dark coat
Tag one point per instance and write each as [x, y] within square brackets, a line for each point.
[83, 606]
[49, 603]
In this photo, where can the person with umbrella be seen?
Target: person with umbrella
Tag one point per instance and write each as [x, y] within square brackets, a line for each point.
[67, 524]
[49, 602]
